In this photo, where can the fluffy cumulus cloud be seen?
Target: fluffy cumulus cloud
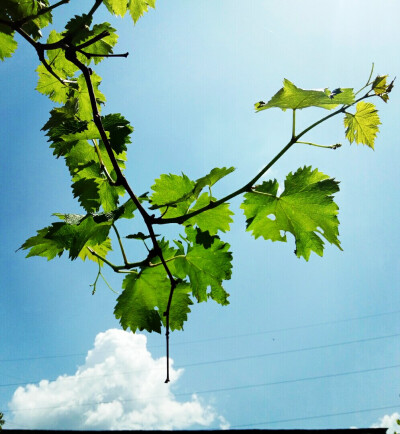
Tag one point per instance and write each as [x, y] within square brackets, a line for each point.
[120, 387]
[390, 422]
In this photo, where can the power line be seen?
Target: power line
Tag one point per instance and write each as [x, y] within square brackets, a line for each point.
[225, 389]
[274, 383]
[317, 417]
[233, 359]
[317, 347]
[284, 329]
[218, 337]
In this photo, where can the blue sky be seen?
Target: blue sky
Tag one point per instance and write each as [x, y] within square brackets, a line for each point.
[188, 87]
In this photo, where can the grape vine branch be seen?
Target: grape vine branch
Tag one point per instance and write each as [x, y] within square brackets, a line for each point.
[158, 290]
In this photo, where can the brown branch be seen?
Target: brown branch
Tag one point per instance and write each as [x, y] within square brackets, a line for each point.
[93, 40]
[89, 55]
[94, 7]
[70, 54]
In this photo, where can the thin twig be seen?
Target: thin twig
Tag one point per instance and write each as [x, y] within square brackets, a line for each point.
[120, 244]
[93, 40]
[103, 168]
[247, 187]
[337, 145]
[95, 6]
[89, 55]
[41, 12]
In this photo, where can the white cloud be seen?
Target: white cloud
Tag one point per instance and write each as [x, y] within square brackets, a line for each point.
[120, 387]
[390, 422]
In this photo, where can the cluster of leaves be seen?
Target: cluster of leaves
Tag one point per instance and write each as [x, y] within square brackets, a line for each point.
[193, 267]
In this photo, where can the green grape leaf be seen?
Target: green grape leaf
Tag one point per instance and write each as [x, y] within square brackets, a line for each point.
[50, 86]
[101, 249]
[213, 220]
[53, 240]
[305, 209]
[103, 46]
[206, 267]
[19, 10]
[78, 28]
[139, 236]
[7, 43]
[56, 58]
[109, 194]
[293, 97]
[125, 210]
[119, 130]
[87, 192]
[116, 7]
[362, 127]
[214, 176]
[78, 155]
[173, 191]
[379, 85]
[82, 95]
[144, 300]
[137, 8]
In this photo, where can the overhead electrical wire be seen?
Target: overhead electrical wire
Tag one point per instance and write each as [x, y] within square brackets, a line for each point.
[223, 389]
[295, 419]
[234, 359]
[217, 338]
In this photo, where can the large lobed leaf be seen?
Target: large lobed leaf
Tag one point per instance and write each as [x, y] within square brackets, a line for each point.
[177, 196]
[73, 235]
[293, 97]
[207, 263]
[144, 300]
[305, 209]
[362, 127]
[199, 270]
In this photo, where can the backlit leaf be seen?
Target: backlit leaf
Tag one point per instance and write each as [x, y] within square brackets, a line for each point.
[7, 43]
[144, 300]
[205, 267]
[293, 97]
[362, 127]
[305, 209]
[213, 220]
[137, 8]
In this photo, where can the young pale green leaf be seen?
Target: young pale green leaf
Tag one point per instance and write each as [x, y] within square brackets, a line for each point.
[293, 97]
[103, 46]
[50, 86]
[379, 85]
[56, 58]
[73, 235]
[173, 191]
[362, 127]
[137, 8]
[209, 180]
[213, 220]
[116, 7]
[7, 43]
[82, 95]
[206, 267]
[101, 249]
[305, 209]
[144, 300]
